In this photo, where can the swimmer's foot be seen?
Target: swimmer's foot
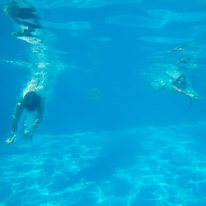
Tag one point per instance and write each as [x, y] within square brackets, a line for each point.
[10, 140]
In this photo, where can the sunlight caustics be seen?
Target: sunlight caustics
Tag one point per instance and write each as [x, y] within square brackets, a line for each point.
[161, 173]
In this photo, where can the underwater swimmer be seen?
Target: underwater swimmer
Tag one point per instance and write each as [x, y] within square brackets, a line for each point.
[14, 11]
[25, 17]
[32, 102]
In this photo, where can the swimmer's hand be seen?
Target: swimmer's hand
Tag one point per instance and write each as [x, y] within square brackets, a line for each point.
[28, 135]
[11, 139]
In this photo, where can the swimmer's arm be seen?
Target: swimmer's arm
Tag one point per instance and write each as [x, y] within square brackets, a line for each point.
[184, 92]
[39, 117]
[16, 116]
[29, 134]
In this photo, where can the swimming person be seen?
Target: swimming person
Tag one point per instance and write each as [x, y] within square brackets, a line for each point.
[25, 17]
[170, 77]
[33, 103]
[44, 66]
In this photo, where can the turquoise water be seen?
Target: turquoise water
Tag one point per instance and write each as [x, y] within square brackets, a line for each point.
[114, 132]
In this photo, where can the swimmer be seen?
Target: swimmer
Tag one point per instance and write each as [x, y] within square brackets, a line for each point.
[170, 77]
[180, 82]
[32, 102]
[25, 17]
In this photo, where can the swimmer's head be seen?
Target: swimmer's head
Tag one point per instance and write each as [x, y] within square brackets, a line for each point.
[11, 9]
[181, 82]
[31, 100]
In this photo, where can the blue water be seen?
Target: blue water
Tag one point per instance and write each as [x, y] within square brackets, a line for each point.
[107, 137]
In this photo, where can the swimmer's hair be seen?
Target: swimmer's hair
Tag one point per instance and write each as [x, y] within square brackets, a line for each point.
[31, 100]
[11, 8]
